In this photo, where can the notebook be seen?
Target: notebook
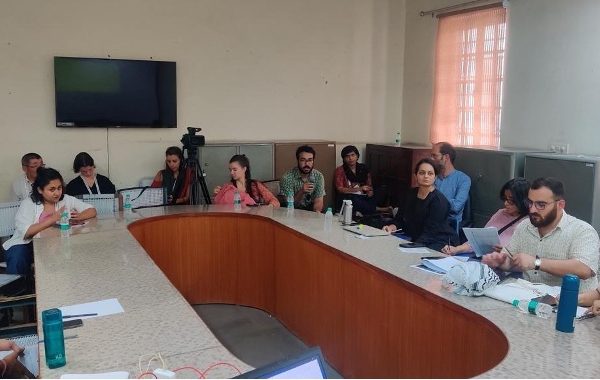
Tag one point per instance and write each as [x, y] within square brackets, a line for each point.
[365, 230]
[30, 357]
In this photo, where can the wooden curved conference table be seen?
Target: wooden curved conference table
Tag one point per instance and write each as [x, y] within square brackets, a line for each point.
[359, 300]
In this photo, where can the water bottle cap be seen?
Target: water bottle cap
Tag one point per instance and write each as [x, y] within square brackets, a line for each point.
[51, 315]
[570, 282]
[328, 209]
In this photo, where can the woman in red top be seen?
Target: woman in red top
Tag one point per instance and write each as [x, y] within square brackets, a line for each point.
[353, 181]
[251, 191]
[174, 179]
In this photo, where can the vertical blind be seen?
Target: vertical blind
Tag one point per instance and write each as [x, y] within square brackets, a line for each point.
[469, 72]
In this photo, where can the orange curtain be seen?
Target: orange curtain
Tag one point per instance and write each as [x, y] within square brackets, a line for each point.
[469, 70]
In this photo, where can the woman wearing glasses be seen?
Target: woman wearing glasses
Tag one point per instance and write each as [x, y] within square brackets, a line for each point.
[514, 196]
[88, 181]
[424, 217]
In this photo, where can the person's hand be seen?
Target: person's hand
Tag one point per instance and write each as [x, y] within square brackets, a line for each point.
[595, 308]
[494, 259]
[389, 228]
[449, 250]
[75, 215]
[215, 191]
[523, 262]
[55, 216]
[366, 189]
[308, 187]
[498, 248]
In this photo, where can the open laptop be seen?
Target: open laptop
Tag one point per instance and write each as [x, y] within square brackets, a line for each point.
[364, 230]
[308, 365]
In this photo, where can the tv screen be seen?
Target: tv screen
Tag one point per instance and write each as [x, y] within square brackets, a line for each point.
[114, 93]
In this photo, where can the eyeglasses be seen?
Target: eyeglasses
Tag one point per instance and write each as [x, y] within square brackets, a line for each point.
[539, 205]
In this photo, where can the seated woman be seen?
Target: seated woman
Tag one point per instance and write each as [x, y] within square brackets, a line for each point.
[424, 217]
[591, 299]
[173, 178]
[251, 191]
[88, 181]
[42, 210]
[514, 195]
[353, 181]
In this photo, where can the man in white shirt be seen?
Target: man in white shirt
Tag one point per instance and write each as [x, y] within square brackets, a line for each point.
[551, 243]
[22, 185]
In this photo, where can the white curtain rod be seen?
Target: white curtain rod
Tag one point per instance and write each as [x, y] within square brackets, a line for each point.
[461, 6]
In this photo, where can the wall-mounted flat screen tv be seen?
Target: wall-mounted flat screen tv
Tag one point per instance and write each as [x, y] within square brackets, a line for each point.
[115, 93]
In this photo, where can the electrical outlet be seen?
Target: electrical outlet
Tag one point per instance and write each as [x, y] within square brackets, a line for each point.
[559, 147]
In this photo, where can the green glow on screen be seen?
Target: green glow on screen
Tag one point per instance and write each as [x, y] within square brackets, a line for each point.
[78, 76]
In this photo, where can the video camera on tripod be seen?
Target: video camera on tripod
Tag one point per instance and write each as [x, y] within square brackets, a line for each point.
[191, 142]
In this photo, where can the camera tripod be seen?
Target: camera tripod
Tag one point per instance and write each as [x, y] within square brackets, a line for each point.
[197, 181]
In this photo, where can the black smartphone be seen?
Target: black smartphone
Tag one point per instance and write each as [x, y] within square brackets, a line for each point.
[548, 299]
[71, 324]
[411, 245]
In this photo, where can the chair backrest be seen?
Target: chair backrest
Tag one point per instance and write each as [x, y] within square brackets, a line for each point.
[275, 188]
[8, 211]
[104, 203]
[143, 196]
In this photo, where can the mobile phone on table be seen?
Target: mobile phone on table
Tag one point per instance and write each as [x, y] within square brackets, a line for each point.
[411, 245]
[71, 324]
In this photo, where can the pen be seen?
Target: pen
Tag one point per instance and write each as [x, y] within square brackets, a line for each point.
[509, 253]
[80, 315]
[67, 337]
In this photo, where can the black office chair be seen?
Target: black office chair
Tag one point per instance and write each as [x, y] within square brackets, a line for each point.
[467, 220]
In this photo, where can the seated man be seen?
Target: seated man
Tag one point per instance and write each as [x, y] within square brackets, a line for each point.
[551, 243]
[454, 184]
[353, 181]
[304, 182]
[30, 162]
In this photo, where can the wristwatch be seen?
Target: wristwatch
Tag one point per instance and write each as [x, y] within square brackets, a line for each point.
[537, 263]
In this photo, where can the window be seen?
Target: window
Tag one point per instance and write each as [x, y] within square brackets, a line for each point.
[469, 71]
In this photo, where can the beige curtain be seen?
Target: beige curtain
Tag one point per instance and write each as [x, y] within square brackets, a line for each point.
[469, 70]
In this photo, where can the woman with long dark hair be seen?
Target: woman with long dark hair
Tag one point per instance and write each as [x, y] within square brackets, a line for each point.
[251, 191]
[514, 196]
[88, 181]
[173, 178]
[41, 210]
[353, 181]
[424, 217]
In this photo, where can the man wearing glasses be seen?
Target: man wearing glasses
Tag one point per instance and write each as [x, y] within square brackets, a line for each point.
[22, 185]
[454, 184]
[551, 243]
[305, 183]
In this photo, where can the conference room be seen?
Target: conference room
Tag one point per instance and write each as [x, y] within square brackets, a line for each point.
[261, 78]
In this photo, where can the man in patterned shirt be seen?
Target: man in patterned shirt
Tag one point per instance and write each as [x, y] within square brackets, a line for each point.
[304, 182]
[551, 243]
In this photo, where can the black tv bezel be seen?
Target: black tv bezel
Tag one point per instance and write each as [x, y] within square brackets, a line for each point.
[121, 126]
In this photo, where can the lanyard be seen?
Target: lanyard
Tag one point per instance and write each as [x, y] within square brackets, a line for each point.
[95, 183]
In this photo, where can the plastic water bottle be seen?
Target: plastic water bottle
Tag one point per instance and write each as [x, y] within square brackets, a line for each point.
[542, 310]
[567, 305]
[397, 138]
[237, 200]
[54, 339]
[127, 203]
[290, 201]
[65, 227]
[328, 220]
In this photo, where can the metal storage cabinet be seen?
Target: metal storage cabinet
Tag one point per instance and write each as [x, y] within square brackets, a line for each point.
[580, 177]
[489, 170]
[214, 159]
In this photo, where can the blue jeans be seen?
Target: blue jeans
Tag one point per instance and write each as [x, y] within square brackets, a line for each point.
[19, 259]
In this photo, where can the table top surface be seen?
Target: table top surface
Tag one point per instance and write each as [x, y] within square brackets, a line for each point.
[102, 260]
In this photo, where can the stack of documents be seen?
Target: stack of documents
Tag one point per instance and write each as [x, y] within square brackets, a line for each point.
[482, 240]
[440, 265]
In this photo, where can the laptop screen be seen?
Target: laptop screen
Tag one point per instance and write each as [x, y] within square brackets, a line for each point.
[308, 365]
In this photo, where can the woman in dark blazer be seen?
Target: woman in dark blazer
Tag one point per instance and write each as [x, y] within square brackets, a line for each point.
[424, 217]
[88, 181]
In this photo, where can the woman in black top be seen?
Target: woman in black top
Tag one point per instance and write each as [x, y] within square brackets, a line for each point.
[88, 181]
[425, 214]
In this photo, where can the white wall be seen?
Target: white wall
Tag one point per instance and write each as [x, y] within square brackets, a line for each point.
[247, 70]
[552, 74]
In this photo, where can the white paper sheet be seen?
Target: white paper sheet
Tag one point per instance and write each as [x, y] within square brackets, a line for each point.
[442, 264]
[102, 308]
[105, 375]
[482, 240]
[420, 250]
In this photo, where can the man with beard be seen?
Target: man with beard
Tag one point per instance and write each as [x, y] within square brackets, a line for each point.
[551, 243]
[305, 183]
[454, 184]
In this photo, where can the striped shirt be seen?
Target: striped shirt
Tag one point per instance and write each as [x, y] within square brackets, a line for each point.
[571, 239]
